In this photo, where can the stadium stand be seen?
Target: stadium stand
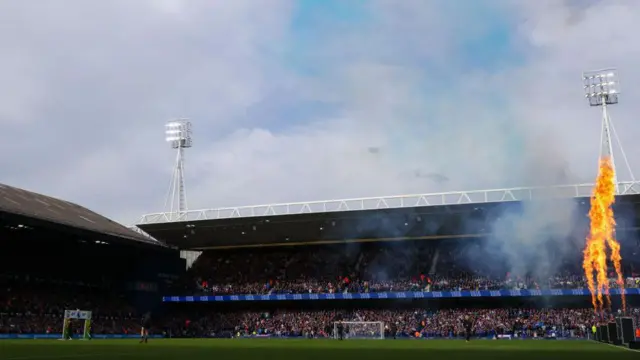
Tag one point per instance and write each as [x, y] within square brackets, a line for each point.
[341, 257]
[371, 267]
[58, 256]
[407, 323]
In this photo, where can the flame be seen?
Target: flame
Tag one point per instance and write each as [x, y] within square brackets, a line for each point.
[602, 236]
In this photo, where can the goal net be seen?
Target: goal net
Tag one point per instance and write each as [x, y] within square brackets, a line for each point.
[74, 315]
[359, 329]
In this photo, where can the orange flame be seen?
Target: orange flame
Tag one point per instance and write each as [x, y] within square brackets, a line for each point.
[602, 235]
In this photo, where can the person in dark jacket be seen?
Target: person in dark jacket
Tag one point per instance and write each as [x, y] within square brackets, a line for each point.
[146, 324]
[468, 327]
[340, 330]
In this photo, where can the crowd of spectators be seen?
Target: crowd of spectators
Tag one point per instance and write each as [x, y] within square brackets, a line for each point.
[39, 309]
[28, 306]
[399, 323]
[364, 269]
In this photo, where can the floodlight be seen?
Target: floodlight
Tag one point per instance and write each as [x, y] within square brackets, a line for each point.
[178, 133]
[601, 87]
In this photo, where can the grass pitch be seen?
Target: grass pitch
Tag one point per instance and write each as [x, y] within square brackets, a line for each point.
[232, 349]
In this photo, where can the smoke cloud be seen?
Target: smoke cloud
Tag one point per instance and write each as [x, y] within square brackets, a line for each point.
[536, 238]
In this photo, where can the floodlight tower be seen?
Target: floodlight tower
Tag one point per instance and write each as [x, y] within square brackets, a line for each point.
[601, 88]
[178, 135]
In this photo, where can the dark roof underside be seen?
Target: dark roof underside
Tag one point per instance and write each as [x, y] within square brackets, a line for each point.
[26, 203]
[431, 222]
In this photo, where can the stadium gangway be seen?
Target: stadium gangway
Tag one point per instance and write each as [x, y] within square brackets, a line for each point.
[388, 202]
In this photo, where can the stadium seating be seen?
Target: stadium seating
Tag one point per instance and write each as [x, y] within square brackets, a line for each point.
[409, 323]
[365, 268]
[410, 266]
[49, 265]
[31, 305]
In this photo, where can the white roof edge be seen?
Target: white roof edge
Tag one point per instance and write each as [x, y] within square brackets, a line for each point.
[142, 232]
[386, 202]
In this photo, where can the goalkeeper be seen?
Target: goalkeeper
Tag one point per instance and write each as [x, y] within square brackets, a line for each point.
[87, 334]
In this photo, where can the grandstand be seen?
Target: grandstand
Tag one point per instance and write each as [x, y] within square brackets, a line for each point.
[357, 259]
[57, 256]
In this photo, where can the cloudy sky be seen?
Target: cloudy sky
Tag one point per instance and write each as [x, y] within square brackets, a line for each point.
[307, 100]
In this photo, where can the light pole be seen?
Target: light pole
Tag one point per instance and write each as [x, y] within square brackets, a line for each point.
[601, 89]
[178, 135]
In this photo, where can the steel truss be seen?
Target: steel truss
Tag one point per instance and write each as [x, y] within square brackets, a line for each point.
[388, 202]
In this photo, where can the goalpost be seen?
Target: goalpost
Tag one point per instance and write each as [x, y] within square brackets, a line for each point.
[70, 315]
[360, 329]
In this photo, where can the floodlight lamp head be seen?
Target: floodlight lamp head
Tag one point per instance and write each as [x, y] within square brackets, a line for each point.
[178, 133]
[601, 87]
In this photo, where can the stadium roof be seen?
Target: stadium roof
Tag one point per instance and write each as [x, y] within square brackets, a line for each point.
[25, 203]
[383, 219]
[386, 202]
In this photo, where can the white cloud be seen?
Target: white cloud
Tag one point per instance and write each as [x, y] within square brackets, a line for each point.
[90, 86]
